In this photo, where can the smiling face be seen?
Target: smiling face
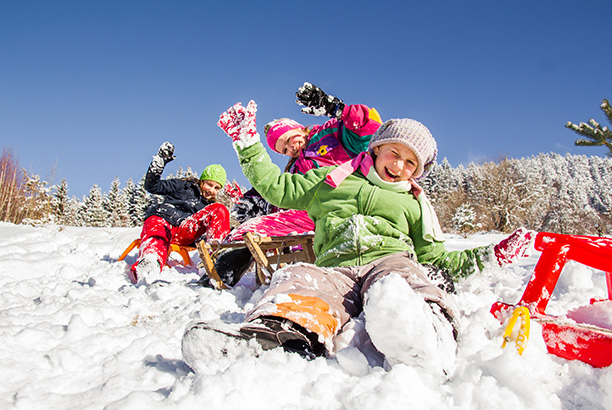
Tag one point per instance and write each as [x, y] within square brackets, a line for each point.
[210, 189]
[394, 162]
[291, 143]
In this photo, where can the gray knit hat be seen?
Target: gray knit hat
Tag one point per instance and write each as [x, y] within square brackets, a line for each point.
[413, 135]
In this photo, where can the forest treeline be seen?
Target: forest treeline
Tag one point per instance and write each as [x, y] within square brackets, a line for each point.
[569, 194]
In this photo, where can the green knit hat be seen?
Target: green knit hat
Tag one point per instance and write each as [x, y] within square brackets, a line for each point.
[214, 172]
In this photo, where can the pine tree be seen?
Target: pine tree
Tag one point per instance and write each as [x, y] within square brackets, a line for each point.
[72, 213]
[112, 204]
[444, 187]
[138, 204]
[124, 204]
[596, 135]
[464, 219]
[93, 211]
[59, 203]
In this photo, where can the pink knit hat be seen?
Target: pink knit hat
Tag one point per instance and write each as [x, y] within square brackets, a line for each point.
[277, 128]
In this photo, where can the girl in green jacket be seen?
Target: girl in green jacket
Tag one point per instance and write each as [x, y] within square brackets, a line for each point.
[372, 222]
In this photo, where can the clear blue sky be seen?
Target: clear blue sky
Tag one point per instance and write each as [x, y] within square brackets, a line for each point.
[90, 89]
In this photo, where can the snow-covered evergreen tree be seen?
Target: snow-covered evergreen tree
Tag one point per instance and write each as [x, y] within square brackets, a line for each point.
[138, 204]
[123, 205]
[112, 203]
[183, 174]
[93, 211]
[72, 213]
[59, 203]
[442, 178]
[464, 219]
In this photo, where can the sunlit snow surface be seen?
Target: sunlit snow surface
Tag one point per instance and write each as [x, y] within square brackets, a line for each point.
[76, 334]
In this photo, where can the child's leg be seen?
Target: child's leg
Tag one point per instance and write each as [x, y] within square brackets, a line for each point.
[213, 221]
[154, 241]
[321, 300]
[407, 317]
[286, 222]
[403, 264]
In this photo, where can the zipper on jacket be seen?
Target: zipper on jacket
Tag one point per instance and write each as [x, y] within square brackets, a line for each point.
[369, 200]
[365, 212]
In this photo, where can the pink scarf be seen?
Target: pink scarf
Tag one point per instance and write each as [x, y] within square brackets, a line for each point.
[365, 164]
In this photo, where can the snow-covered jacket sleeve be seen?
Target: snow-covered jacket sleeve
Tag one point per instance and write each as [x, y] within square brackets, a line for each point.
[282, 189]
[457, 263]
[157, 186]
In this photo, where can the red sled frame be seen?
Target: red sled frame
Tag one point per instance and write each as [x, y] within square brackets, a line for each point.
[564, 338]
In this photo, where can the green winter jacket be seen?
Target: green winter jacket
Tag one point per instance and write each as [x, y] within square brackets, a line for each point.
[357, 222]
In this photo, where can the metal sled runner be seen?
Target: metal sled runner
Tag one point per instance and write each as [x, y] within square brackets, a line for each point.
[565, 338]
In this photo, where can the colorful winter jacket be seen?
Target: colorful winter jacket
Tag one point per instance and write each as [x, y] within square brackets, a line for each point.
[356, 222]
[332, 143]
[338, 140]
[182, 197]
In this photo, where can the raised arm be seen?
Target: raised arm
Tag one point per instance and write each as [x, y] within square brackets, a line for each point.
[280, 189]
[153, 182]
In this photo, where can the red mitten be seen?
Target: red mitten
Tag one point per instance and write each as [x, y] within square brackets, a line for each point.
[233, 191]
[514, 247]
[239, 123]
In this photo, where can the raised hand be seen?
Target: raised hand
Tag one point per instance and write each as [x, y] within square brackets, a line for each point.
[514, 247]
[239, 123]
[166, 152]
[317, 102]
[233, 191]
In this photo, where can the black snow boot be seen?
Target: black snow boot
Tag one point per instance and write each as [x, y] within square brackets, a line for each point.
[271, 332]
[211, 347]
[232, 264]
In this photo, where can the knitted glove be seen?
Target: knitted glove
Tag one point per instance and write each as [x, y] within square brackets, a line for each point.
[166, 152]
[317, 102]
[233, 191]
[239, 123]
[514, 247]
[164, 155]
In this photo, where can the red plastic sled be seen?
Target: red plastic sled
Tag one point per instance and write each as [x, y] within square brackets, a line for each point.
[565, 338]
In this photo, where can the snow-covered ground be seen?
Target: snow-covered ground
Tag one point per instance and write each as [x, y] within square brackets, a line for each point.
[76, 334]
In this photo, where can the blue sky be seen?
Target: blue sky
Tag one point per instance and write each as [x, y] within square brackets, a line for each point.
[90, 89]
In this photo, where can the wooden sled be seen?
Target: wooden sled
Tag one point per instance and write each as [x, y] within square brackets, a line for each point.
[564, 337]
[266, 250]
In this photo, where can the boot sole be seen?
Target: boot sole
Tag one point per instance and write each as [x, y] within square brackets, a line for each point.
[210, 348]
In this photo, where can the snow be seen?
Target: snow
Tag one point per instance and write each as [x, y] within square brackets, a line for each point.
[76, 334]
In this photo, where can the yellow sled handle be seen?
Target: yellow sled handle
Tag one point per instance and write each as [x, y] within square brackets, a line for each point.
[523, 334]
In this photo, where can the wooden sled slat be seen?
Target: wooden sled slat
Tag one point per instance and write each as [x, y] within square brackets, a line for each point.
[267, 251]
